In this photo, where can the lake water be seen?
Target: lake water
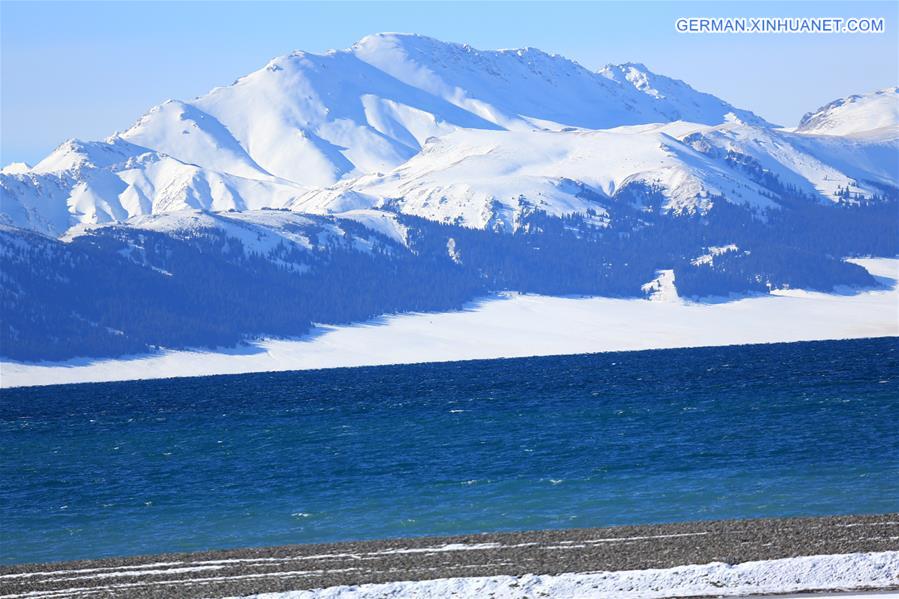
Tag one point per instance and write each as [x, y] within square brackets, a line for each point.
[618, 438]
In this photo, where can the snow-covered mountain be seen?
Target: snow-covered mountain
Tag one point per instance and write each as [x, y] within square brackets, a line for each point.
[97, 182]
[443, 131]
[405, 173]
[492, 179]
[306, 122]
[868, 116]
[819, 166]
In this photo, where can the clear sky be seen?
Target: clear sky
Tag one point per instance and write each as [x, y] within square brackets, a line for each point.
[87, 69]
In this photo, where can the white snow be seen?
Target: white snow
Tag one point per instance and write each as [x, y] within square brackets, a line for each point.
[714, 250]
[479, 177]
[182, 130]
[855, 571]
[266, 233]
[451, 130]
[869, 116]
[110, 182]
[818, 165]
[513, 325]
[74, 154]
[523, 87]
[15, 168]
[379, 221]
[661, 288]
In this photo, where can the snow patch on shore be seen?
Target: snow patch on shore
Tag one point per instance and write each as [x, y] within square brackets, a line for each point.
[513, 325]
[661, 288]
[854, 571]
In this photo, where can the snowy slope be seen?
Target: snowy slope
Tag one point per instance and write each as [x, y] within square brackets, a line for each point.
[15, 168]
[269, 233]
[307, 120]
[99, 182]
[491, 178]
[524, 87]
[451, 133]
[816, 165]
[303, 117]
[182, 130]
[313, 118]
[674, 99]
[870, 116]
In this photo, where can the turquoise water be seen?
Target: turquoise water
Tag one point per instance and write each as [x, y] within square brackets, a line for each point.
[594, 440]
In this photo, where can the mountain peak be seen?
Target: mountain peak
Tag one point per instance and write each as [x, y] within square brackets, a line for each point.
[638, 66]
[306, 122]
[386, 41]
[397, 36]
[75, 154]
[635, 74]
[15, 168]
[872, 115]
[680, 100]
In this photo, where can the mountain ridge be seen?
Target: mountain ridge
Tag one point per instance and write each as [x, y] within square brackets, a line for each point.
[873, 116]
[407, 174]
[307, 125]
[316, 119]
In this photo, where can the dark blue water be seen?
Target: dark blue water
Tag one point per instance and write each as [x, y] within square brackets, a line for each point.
[185, 464]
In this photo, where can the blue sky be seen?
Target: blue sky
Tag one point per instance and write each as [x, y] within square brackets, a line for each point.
[87, 69]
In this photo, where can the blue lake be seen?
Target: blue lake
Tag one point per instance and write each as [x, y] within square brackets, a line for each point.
[618, 438]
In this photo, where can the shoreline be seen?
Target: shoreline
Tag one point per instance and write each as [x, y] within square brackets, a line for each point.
[424, 363]
[240, 572]
[515, 326]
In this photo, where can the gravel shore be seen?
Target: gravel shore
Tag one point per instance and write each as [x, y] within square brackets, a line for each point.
[254, 570]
